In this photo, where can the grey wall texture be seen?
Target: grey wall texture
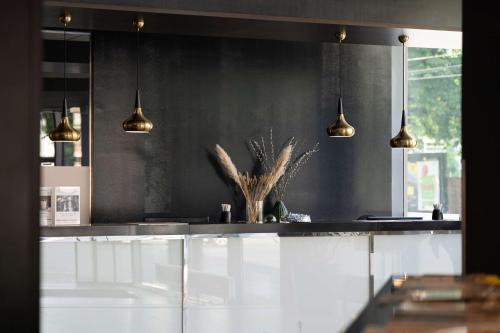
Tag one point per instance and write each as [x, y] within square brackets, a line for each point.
[202, 91]
[417, 14]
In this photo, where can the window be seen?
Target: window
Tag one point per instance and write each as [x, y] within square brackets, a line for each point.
[434, 115]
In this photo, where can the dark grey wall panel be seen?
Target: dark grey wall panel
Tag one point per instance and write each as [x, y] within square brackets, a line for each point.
[421, 14]
[201, 91]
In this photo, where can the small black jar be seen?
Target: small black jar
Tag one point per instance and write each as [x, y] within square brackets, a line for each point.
[437, 213]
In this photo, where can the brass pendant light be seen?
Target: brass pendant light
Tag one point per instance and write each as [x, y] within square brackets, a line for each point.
[137, 122]
[64, 132]
[403, 139]
[340, 128]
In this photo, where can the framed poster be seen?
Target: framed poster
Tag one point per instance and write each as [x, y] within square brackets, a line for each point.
[67, 204]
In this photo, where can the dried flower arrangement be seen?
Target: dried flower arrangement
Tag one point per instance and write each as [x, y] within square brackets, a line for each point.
[296, 160]
[255, 188]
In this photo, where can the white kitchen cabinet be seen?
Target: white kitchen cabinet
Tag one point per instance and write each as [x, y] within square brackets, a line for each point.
[415, 254]
[111, 285]
[275, 284]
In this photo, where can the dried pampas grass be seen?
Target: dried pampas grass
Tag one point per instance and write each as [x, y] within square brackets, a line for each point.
[227, 164]
[297, 161]
[255, 188]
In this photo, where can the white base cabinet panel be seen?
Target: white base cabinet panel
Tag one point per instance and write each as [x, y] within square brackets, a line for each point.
[415, 254]
[247, 283]
[273, 284]
[116, 286]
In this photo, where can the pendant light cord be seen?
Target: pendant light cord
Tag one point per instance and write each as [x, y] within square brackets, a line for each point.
[138, 58]
[404, 77]
[340, 68]
[404, 120]
[404, 181]
[64, 71]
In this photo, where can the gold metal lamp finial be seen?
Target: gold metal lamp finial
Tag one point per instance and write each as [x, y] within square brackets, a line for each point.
[403, 139]
[340, 35]
[138, 23]
[340, 128]
[65, 18]
[403, 39]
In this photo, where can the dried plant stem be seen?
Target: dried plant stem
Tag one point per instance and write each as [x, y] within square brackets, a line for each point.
[255, 188]
[292, 169]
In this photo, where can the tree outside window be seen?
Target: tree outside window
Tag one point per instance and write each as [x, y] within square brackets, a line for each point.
[434, 116]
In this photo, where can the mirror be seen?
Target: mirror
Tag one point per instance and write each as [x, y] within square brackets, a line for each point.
[78, 93]
[65, 176]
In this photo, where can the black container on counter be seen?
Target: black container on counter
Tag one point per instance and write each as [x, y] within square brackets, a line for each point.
[225, 215]
[437, 213]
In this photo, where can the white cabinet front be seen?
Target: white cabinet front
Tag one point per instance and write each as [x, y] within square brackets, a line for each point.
[111, 286]
[245, 284]
[415, 254]
[272, 284]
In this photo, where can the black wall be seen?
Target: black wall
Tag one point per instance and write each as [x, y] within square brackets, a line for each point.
[201, 91]
[19, 168]
[479, 130]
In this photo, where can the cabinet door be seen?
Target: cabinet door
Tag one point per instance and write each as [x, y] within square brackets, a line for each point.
[275, 284]
[111, 286]
[415, 254]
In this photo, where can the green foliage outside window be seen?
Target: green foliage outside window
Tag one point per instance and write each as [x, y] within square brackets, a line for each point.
[434, 102]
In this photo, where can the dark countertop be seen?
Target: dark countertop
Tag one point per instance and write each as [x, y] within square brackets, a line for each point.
[374, 313]
[136, 229]
[432, 303]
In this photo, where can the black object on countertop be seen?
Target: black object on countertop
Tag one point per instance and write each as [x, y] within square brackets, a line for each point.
[159, 218]
[225, 214]
[225, 217]
[437, 213]
[388, 218]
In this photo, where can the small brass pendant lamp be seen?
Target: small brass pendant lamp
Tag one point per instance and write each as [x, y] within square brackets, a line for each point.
[403, 139]
[137, 122]
[340, 128]
[64, 132]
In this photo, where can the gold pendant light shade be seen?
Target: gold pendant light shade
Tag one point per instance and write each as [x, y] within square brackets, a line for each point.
[137, 122]
[403, 139]
[340, 128]
[64, 132]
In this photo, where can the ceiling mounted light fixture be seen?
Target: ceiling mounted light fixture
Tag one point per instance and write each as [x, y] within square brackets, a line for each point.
[340, 128]
[137, 122]
[64, 132]
[403, 139]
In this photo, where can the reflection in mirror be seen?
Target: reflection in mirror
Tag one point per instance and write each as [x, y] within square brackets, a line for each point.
[78, 93]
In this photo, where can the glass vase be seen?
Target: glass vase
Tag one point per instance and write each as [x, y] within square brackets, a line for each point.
[255, 212]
